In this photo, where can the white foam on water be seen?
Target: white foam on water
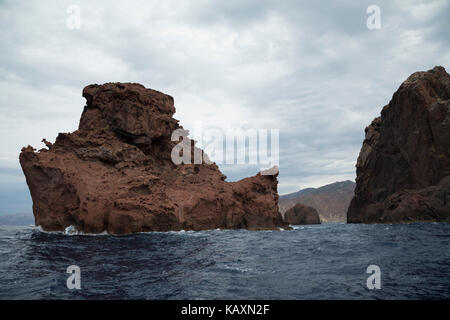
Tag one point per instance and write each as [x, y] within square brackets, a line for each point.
[71, 231]
[242, 270]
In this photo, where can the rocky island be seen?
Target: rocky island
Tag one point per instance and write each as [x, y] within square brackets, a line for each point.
[403, 169]
[115, 174]
[300, 214]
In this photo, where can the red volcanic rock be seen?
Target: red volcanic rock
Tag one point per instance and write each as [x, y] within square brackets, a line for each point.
[300, 214]
[403, 169]
[115, 174]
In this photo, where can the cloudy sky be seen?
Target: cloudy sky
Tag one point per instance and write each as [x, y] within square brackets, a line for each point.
[312, 69]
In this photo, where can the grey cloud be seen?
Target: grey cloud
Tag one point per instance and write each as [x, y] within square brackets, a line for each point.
[310, 68]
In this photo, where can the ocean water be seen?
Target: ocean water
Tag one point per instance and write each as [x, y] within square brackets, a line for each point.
[327, 261]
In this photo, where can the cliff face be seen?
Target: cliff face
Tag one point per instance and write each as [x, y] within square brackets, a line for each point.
[331, 201]
[300, 214]
[403, 169]
[115, 173]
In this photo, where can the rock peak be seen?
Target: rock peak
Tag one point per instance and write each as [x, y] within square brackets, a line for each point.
[403, 169]
[130, 109]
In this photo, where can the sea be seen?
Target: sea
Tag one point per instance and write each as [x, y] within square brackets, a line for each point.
[327, 261]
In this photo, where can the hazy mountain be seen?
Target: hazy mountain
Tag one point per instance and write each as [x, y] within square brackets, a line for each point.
[331, 201]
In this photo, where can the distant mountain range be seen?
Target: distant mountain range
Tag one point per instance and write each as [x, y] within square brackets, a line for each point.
[331, 201]
[17, 219]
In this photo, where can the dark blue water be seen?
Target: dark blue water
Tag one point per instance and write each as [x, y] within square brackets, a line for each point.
[326, 261]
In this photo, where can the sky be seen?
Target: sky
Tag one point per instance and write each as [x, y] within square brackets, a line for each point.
[314, 70]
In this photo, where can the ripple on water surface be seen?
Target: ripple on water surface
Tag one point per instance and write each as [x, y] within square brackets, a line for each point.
[327, 261]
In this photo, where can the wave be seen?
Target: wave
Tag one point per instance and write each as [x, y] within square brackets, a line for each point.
[70, 231]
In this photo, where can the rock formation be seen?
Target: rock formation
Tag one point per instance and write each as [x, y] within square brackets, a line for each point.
[331, 200]
[115, 173]
[403, 169]
[300, 214]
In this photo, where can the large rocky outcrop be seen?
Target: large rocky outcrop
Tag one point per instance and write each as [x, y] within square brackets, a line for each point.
[403, 169]
[115, 173]
[331, 200]
[300, 214]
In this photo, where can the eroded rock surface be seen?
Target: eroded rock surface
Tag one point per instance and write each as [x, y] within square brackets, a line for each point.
[115, 174]
[403, 169]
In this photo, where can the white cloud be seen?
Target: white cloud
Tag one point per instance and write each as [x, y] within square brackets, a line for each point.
[426, 10]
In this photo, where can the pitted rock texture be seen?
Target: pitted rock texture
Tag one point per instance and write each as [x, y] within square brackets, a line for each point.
[403, 169]
[115, 174]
